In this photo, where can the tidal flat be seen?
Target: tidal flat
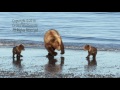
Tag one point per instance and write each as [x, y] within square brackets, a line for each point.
[73, 64]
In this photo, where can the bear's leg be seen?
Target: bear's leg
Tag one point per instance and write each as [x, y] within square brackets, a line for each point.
[14, 51]
[21, 55]
[88, 59]
[18, 58]
[62, 48]
[18, 55]
[13, 55]
[55, 53]
[94, 56]
[51, 51]
[49, 54]
[88, 55]
[62, 61]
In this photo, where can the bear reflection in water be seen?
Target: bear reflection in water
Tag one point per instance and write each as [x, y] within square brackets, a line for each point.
[91, 64]
[52, 67]
[17, 62]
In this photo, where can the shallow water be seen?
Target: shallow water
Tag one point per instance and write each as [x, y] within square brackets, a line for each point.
[35, 64]
[100, 29]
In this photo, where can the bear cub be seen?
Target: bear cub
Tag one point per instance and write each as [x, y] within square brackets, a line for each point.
[17, 50]
[91, 51]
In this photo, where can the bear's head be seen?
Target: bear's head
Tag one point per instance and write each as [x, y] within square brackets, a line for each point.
[21, 47]
[56, 43]
[86, 47]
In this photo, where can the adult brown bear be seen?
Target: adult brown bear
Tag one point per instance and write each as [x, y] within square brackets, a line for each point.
[52, 41]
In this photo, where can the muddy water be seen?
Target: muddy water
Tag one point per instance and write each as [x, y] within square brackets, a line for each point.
[73, 64]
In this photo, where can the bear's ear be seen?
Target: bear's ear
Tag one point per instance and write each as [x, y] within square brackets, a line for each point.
[21, 45]
[88, 45]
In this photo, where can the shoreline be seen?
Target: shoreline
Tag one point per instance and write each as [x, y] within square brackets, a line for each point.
[72, 64]
[10, 43]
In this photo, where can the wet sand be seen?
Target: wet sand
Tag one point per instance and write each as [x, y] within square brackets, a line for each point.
[73, 64]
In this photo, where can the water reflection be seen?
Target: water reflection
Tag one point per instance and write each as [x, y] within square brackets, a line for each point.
[17, 63]
[52, 67]
[92, 64]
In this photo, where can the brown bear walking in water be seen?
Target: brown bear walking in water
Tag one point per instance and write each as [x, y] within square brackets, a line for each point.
[91, 51]
[52, 41]
[17, 50]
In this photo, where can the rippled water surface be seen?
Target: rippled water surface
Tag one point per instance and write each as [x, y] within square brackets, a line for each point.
[100, 29]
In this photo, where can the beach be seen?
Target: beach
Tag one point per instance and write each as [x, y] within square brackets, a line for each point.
[98, 29]
[73, 64]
